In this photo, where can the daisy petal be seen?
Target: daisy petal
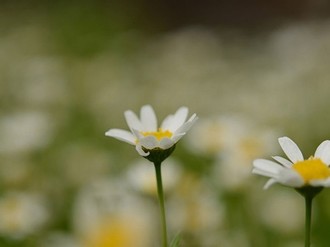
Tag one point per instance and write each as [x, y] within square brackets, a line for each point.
[269, 183]
[132, 120]
[291, 149]
[177, 137]
[167, 123]
[166, 143]
[283, 161]
[149, 142]
[187, 125]
[140, 150]
[122, 135]
[137, 134]
[148, 118]
[267, 166]
[323, 152]
[290, 178]
[179, 118]
[263, 173]
[320, 182]
[173, 122]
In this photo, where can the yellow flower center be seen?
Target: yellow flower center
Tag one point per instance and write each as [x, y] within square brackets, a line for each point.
[116, 233]
[160, 134]
[312, 169]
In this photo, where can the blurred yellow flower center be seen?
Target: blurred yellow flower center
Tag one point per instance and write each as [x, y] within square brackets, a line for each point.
[160, 134]
[312, 169]
[114, 234]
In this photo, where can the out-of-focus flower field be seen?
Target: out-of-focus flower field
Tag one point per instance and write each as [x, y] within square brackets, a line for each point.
[69, 71]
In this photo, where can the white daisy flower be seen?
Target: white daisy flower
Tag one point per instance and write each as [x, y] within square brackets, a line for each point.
[296, 171]
[144, 133]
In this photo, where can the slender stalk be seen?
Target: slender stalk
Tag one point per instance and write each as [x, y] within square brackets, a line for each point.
[308, 192]
[161, 202]
[308, 204]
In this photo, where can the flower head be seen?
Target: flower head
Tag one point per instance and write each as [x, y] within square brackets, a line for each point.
[145, 134]
[296, 171]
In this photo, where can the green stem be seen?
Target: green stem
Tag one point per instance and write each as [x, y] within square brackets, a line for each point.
[308, 192]
[161, 202]
[308, 204]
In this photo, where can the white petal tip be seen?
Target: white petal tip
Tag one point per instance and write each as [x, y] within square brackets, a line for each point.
[141, 152]
[108, 133]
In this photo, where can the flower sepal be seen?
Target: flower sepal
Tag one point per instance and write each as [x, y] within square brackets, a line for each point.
[158, 155]
[309, 191]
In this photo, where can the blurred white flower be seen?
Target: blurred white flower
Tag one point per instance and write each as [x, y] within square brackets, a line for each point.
[22, 214]
[241, 143]
[25, 132]
[194, 207]
[145, 135]
[107, 214]
[296, 172]
[141, 176]
[213, 135]
[234, 168]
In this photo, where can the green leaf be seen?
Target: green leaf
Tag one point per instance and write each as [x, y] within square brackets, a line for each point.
[176, 241]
